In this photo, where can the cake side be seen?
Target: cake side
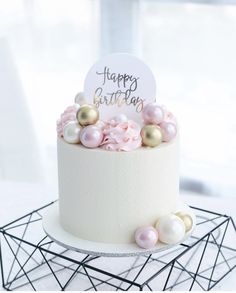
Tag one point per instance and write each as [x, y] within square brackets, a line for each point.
[104, 196]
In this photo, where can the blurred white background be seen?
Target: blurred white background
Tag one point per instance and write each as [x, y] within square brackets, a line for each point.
[47, 47]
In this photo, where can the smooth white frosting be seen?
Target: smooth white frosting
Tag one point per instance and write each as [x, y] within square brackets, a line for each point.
[105, 196]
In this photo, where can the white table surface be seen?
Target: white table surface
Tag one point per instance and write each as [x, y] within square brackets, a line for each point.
[16, 199]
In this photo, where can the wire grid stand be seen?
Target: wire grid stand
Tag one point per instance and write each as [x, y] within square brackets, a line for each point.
[30, 260]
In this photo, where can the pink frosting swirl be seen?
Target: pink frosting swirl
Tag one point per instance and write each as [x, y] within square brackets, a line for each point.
[68, 115]
[121, 135]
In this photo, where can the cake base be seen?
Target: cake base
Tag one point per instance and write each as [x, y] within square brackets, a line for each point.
[53, 228]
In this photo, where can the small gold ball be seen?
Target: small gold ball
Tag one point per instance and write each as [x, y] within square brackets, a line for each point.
[87, 115]
[151, 135]
[187, 219]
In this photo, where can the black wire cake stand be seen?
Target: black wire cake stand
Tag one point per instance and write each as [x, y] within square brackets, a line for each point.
[30, 260]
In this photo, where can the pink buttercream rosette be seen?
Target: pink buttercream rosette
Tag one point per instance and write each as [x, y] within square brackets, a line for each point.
[121, 136]
[68, 115]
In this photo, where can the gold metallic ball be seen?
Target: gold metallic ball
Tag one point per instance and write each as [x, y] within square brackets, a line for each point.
[151, 135]
[187, 219]
[87, 115]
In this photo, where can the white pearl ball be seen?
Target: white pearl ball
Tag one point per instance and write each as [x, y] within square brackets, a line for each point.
[80, 99]
[120, 118]
[171, 229]
[71, 132]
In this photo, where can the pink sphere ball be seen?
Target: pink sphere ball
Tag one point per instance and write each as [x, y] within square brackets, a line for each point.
[153, 114]
[169, 131]
[146, 237]
[91, 136]
[169, 117]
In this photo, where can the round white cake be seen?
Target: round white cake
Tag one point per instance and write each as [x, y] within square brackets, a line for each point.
[104, 196]
[118, 157]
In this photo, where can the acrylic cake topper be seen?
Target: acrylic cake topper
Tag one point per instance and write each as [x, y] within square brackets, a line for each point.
[120, 83]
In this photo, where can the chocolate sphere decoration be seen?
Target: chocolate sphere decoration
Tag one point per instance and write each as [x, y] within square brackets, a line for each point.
[71, 132]
[87, 115]
[151, 135]
[91, 136]
[169, 130]
[146, 237]
[80, 99]
[187, 219]
[171, 229]
[153, 114]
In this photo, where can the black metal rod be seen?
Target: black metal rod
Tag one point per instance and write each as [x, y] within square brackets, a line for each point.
[218, 252]
[26, 215]
[84, 264]
[200, 262]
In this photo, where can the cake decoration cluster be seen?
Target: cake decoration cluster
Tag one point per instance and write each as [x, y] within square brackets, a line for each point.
[169, 229]
[81, 123]
[160, 125]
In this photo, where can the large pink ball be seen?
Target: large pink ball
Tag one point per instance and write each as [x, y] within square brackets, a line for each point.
[169, 117]
[153, 114]
[169, 131]
[146, 237]
[91, 136]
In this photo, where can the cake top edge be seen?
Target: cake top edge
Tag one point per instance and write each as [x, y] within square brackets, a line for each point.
[163, 145]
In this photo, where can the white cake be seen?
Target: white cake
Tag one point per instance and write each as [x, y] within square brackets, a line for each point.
[104, 196]
[118, 160]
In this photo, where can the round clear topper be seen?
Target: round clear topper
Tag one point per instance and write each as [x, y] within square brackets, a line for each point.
[120, 84]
